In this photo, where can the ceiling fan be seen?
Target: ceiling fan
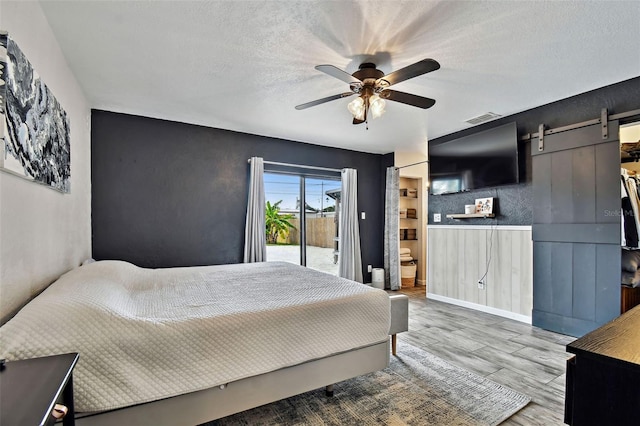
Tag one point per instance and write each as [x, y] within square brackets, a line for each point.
[372, 86]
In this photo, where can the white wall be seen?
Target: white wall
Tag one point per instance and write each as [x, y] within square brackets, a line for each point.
[44, 233]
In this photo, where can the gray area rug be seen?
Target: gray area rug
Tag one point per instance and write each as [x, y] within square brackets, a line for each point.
[417, 388]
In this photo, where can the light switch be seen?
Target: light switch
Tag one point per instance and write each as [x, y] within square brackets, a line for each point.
[437, 217]
[362, 215]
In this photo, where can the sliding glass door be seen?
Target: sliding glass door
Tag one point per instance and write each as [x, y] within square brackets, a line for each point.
[302, 220]
[282, 215]
[321, 226]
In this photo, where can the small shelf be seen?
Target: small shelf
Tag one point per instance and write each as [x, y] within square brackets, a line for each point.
[409, 193]
[470, 216]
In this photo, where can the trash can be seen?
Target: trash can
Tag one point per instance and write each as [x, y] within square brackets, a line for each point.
[377, 278]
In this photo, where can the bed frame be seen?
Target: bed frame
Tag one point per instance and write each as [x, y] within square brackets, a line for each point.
[214, 403]
[210, 404]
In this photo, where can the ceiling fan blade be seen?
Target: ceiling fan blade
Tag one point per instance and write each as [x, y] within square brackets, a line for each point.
[407, 98]
[338, 73]
[414, 70]
[323, 100]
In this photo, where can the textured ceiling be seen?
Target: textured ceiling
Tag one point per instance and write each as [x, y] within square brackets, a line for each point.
[244, 65]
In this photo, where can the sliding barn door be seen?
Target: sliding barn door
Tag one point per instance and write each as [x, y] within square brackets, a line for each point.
[576, 229]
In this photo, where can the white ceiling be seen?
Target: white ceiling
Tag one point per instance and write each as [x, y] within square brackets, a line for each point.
[244, 65]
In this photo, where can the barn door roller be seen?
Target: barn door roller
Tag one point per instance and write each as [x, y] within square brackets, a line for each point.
[541, 137]
[604, 119]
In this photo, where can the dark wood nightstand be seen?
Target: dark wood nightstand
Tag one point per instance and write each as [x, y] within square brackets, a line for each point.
[603, 377]
[30, 388]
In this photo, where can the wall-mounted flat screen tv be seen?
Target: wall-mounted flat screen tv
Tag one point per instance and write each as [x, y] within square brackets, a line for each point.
[482, 160]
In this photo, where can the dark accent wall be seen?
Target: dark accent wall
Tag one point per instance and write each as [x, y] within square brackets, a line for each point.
[514, 203]
[168, 194]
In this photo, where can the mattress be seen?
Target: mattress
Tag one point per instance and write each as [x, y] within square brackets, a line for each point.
[147, 334]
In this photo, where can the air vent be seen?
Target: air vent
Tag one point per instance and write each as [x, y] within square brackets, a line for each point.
[483, 118]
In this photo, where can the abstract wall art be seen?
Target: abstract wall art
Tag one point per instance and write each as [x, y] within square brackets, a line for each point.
[34, 127]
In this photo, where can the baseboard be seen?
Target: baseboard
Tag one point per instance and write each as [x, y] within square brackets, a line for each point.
[482, 308]
[421, 283]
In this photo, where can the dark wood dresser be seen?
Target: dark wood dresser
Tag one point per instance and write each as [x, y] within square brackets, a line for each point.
[31, 388]
[603, 378]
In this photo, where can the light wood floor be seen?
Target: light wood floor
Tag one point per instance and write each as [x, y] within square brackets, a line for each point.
[525, 358]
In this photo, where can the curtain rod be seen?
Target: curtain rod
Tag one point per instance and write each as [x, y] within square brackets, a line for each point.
[414, 164]
[300, 166]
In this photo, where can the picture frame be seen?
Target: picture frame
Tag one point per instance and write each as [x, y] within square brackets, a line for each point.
[484, 205]
[35, 141]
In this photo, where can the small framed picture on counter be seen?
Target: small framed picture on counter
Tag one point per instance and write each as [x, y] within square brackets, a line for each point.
[484, 205]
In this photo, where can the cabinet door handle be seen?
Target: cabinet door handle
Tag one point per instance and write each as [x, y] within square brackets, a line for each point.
[59, 411]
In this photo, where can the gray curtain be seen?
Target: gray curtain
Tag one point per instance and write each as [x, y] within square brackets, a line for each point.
[255, 240]
[391, 230]
[350, 263]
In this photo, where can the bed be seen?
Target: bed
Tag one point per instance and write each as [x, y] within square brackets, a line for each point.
[188, 345]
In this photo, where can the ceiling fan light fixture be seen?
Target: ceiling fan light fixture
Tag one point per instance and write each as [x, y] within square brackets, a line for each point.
[376, 106]
[357, 107]
[372, 87]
